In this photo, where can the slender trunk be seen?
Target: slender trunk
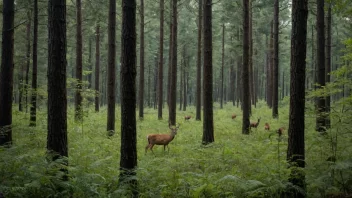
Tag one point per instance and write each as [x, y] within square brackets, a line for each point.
[141, 59]
[245, 69]
[276, 61]
[173, 80]
[111, 67]
[222, 67]
[90, 67]
[328, 61]
[161, 62]
[185, 86]
[250, 61]
[170, 56]
[155, 94]
[28, 61]
[97, 67]
[79, 64]
[208, 123]
[199, 61]
[320, 102]
[33, 109]
[181, 77]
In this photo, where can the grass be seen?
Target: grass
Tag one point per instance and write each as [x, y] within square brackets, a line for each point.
[235, 165]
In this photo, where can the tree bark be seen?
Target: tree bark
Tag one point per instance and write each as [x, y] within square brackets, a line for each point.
[97, 67]
[57, 96]
[250, 60]
[276, 61]
[185, 86]
[199, 61]
[128, 159]
[6, 72]
[173, 80]
[208, 123]
[245, 69]
[161, 62]
[328, 62]
[111, 67]
[141, 59]
[79, 64]
[222, 66]
[295, 151]
[33, 109]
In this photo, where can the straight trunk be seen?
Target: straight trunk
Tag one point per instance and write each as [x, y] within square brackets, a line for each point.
[250, 60]
[199, 61]
[33, 109]
[173, 80]
[208, 123]
[161, 62]
[128, 157]
[170, 56]
[97, 67]
[141, 59]
[276, 61]
[6, 72]
[28, 61]
[328, 62]
[222, 66]
[245, 69]
[111, 67]
[295, 151]
[320, 102]
[79, 64]
[57, 97]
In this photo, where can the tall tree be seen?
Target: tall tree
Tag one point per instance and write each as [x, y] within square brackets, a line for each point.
[161, 62]
[185, 85]
[79, 64]
[245, 69]
[141, 59]
[328, 60]
[28, 57]
[250, 54]
[97, 67]
[173, 80]
[170, 55]
[295, 151]
[111, 67]
[6, 72]
[128, 159]
[222, 66]
[199, 60]
[276, 61]
[320, 102]
[57, 96]
[208, 123]
[33, 109]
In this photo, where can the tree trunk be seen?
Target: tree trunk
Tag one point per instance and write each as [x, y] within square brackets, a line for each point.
[33, 109]
[128, 159]
[208, 123]
[199, 61]
[90, 65]
[79, 64]
[6, 72]
[173, 80]
[250, 60]
[155, 85]
[97, 67]
[28, 61]
[170, 57]
[245, 69]
[328, 62]
[239, 80]
[181, 77]
[57, 96]
[141, 59]
[276, 61]
[222, 66]
[185, 86]
[161, 62]
[320, 102]
[111, 67]
[270, 69]
[295, 151]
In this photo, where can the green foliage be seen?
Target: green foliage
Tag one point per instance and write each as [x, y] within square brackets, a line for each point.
[235, 165]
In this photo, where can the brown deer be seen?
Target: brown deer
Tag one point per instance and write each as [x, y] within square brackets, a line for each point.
[254, 124]
[188, 117]
[161, 139]
[233, 116]
[280, 131]
[267, 127]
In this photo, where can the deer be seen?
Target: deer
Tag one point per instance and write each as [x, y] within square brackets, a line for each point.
[188, 117]
[233, 116]
[254, 124]
[280, 131]
[267, 127]
[161, 139]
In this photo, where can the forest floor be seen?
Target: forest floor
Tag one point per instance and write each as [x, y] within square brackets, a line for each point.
[235, 165]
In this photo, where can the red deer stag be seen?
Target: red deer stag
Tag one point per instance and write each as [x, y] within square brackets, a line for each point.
[161, 139]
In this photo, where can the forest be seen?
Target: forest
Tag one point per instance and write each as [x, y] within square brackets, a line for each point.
[176, 98]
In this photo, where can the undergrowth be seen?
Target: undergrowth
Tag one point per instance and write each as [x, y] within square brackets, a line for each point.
[235, 165]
